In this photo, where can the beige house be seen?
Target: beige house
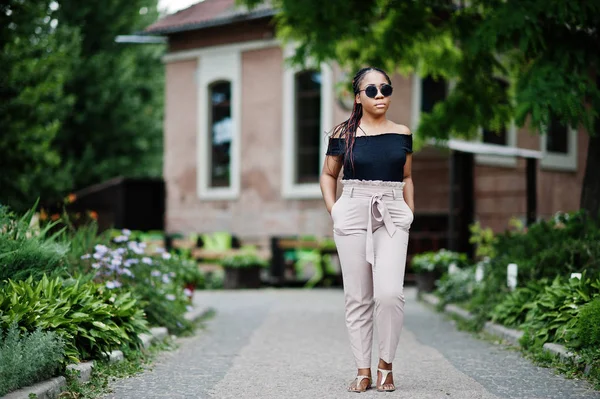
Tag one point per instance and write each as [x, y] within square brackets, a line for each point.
[245, 138]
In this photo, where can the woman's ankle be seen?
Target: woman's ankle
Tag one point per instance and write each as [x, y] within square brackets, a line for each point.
[384, 365]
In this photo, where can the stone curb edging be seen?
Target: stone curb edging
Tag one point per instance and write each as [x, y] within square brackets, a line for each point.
[51, 389]
[507, 334]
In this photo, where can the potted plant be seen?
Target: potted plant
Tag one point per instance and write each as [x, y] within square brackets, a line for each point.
[430, 266]
[242, 270]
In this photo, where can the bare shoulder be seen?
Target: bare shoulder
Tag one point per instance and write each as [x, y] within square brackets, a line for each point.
[336, 133]
[400, 129]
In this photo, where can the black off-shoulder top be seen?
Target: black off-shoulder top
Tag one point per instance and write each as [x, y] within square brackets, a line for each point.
[377, 157]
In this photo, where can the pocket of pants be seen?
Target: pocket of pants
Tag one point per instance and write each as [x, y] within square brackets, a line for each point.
[401, 214]
[333, 207]
[410, 213]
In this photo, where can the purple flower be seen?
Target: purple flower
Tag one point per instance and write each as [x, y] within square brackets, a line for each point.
[170, 297]
[134, 246]
[147, 260]
[126, 232]
[166, 256]
[126, 272]
[130, 262]
[101, 248]
[166, 279]
[112, 284]
[86, 256]
[159, 250]
[121, 239]
[98, 255]
[96, 265]
[156, 273]
[187, 292]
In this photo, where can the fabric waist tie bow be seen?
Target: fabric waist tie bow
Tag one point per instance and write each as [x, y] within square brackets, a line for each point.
[378, 211]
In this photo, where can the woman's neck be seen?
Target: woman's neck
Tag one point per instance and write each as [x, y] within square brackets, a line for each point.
[373, 123]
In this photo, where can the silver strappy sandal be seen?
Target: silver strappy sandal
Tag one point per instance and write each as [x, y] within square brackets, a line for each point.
[358, 380]
[384, 376]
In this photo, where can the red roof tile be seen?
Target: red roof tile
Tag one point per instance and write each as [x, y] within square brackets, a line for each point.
[207, 13]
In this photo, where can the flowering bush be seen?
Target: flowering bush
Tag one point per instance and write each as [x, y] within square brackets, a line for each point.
[156, 278]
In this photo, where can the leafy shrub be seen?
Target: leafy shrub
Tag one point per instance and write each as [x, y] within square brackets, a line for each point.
[512, 311]
[156, 279]
[587, 328]
[28, 358]
[483, 239]
[214, 279]
[244, 259]
[82, 240]
[456, 287]
[557, 247]
[26, 250]
[554, 312]
[91, 319]
[569, 242]
[438, 261]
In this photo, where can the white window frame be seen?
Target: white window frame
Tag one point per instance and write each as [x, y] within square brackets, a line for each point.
[213, 66]
[490, 160]
[494, 160]
[290, 189]
[558, 161]
[417, 87]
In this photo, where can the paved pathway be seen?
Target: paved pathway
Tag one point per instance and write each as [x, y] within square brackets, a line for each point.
[293, 344]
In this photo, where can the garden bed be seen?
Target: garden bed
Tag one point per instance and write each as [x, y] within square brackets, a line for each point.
[538, 287]
[70, 296]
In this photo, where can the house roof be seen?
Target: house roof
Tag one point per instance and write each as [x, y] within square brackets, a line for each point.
[208, 13]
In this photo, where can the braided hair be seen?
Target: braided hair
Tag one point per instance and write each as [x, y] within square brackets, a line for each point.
[347, 129]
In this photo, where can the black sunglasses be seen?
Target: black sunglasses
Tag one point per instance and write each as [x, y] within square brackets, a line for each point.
[371, 90]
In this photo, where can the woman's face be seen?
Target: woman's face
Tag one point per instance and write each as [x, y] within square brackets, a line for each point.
[378, 105]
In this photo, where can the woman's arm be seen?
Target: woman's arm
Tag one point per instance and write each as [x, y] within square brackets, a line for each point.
[409, 188]
[328, 180]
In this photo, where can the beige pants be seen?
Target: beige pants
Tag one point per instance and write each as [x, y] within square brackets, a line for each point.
[370, 225]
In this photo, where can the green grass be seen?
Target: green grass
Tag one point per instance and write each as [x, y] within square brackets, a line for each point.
[104, 373]
[135, 362]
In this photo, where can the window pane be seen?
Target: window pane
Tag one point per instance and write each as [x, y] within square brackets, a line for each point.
[557, 137]
[493, 136]
[308, 126]
[432, 91]
[221, 128]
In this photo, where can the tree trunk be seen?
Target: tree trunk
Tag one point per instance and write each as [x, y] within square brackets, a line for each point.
[590, 192]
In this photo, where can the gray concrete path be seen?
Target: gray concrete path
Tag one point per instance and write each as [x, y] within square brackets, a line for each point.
[293, 344]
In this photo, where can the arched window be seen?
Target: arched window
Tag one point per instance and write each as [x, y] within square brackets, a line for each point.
[308, 137]
[220, 134]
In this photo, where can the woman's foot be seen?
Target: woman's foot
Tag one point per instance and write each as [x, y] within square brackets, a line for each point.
[385, 377]
[361, 383]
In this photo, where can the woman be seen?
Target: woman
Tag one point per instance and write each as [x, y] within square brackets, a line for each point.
[371, 221]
